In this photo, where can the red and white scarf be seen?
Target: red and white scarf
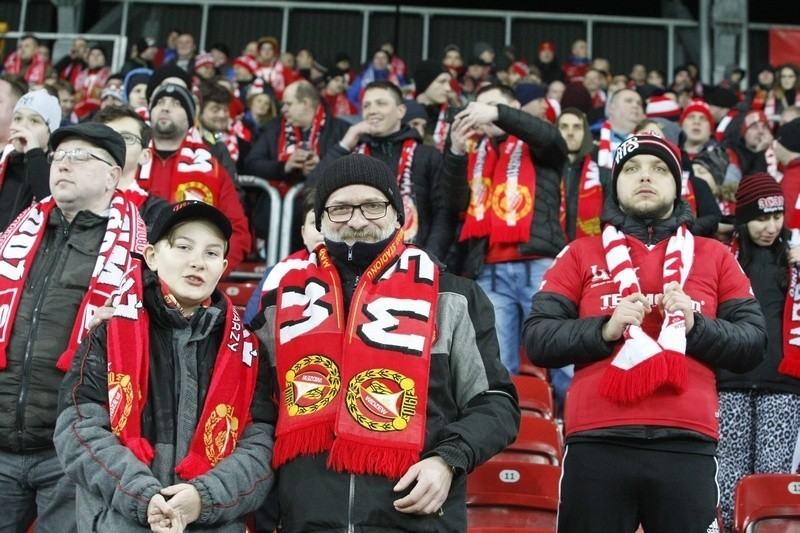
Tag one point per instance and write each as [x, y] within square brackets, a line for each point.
[590, 201]
[226, 409]
[411, 225]
[503, 189]
[441, 130]
[4, 161]
[605, 154]
[125, 233]
[355, 385]
[643, 365]
[719, 133]
[89, 86]
[36, 71]
[291, 135]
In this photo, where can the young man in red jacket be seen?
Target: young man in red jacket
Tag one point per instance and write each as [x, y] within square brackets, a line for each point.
[646, 312]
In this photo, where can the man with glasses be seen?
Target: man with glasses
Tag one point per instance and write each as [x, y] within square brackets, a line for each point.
[388, 368]
[136, 134]
[59, 262]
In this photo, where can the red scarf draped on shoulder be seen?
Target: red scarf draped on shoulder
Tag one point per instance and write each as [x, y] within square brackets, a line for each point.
[411, 225]
[195, 175]
[503, 188]
[226, 410]
[36, 71]
[355, 385]
[125, 233]
[590, 201]
[291, 135]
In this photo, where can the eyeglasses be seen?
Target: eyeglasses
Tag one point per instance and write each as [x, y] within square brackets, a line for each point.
[74, 156]
[131, 139]
[370, 211]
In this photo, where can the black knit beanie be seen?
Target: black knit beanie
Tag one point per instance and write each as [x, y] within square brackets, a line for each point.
[652, 145]
[758, 194]
[356, 169]
[178, 92]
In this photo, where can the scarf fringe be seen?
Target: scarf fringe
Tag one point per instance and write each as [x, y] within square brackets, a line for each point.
[665, 370]
[191, 466]
[311, 440]
[368, 459]
[141, 448]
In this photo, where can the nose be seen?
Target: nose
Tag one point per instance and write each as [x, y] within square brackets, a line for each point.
[357, 221]
[773, 226]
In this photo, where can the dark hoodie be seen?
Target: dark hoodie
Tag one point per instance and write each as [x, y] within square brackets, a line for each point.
[436, 222]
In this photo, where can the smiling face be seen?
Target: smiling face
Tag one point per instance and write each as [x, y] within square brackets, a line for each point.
[646, 188]
[358, 228]
[190, 261]
[381, 110]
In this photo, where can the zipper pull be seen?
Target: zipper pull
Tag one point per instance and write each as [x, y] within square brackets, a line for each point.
[349, 253]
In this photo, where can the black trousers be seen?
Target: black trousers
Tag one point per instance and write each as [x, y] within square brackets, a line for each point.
[610, 488]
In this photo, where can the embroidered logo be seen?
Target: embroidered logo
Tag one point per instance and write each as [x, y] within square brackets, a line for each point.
[512, 204]
[311, 384]
[480, 199]
[220, 433]
[194, 190]
[380, 399]
[120, 400]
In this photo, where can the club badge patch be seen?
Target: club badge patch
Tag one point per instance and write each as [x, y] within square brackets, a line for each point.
[221, 433]
[514, 202]
[381, 400]
[311, 384]
[120, 400]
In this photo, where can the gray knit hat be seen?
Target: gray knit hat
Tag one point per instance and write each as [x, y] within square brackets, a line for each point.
[357, 169]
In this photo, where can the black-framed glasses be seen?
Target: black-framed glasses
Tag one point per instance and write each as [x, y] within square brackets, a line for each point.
[370, 211]
[74, 156]
[131, 139]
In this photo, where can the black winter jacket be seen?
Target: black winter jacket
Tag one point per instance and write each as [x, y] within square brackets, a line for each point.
[26, 180]
[472, 414]
[549, 154]
[55, 287]
[437, 221]
[262, 161]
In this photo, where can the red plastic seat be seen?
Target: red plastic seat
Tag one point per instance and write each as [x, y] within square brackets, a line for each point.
[767, 503]
[238, 291]
[539, 441]
[513, 494]
[535, 395]
[526, 368]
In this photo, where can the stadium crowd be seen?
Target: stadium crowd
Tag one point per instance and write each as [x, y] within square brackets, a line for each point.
[502, 161]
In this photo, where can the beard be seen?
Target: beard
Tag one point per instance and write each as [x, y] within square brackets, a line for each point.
[369, 234]
[166, 130]
[653, 211]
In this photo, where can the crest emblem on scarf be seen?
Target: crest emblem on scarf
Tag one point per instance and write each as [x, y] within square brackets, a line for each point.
[120, 400]
[380, 399]
[311, 384]
[517, 203]
[194, 190]
[220, 433]
[480, 200]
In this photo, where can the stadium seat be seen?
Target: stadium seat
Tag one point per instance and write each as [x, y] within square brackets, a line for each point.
[511, 494]
[238, 291]
[526, 368]
[535, 395]
[539, 441]
[767, 503]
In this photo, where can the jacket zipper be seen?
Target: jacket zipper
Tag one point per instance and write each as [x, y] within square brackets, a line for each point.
[28, 356]
[350, 504]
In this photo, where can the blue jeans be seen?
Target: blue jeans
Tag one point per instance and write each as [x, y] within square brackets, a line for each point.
[510, 286]
[33, 486]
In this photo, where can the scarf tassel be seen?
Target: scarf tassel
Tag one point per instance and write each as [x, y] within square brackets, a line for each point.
[665, 370]
[790, 367]
[141, 449]
[368, 459]
[192, 465]
[65, 361]
[311, 440]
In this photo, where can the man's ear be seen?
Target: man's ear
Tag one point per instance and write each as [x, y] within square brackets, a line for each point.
[144, 157]
[112, 179]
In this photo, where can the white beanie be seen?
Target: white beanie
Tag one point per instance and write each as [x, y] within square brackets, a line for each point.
[44, 103]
